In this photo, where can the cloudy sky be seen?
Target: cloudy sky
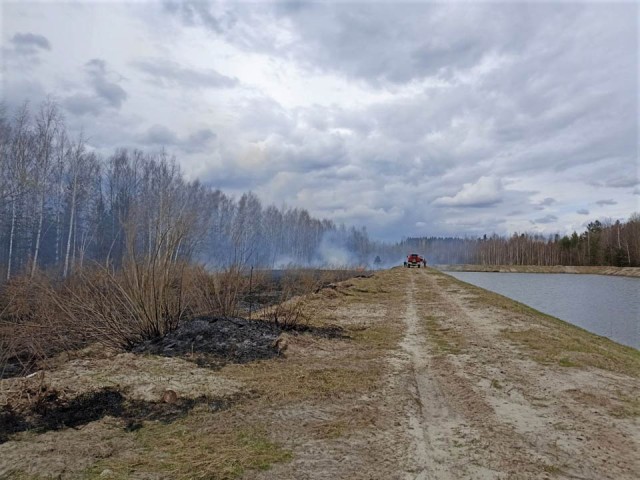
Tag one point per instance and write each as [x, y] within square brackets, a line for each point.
[410, 118]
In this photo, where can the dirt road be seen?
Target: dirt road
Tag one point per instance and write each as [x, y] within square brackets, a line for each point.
[472, 395]
[432, 379]
[490, 410]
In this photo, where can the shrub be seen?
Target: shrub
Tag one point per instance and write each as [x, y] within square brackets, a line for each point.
[120, 309]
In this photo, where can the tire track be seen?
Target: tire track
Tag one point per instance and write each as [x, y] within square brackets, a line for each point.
[432, 424]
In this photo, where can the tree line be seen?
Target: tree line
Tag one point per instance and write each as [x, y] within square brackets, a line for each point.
[605, 243]
[63, 206]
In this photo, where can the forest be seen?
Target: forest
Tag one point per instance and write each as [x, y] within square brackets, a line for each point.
[605, 242]
[63, 207]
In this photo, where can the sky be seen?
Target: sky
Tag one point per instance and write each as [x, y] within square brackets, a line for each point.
[412, 119]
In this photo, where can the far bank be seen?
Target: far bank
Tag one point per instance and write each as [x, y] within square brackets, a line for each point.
[595, 270]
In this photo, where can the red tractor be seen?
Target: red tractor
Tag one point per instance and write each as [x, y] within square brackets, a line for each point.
[415, 260]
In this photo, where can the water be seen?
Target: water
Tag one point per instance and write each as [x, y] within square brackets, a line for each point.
[605, 305]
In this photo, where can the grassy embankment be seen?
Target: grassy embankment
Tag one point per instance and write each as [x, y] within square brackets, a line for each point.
[616, 271]
[554, 341]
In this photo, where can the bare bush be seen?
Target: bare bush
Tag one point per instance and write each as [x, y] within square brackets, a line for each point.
[120, 309]
[288, 314]
[31, 327]
[289, 311]
[219, 293]
[40, 317]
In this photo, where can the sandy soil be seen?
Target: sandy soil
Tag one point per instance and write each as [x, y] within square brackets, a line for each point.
[487, 410]
[511, 417]
[427, 383]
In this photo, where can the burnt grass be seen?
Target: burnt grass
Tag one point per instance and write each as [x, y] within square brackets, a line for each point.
[213, 342]
[53, 411]
[209, 342]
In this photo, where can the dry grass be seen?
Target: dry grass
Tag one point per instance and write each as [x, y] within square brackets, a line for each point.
[570, 346]
[31, 326]
[200, 446]
[285, 381]
[247, 436]
[41, 317]
[220, 293]
[616, 404]
[553, 341]
[629, 407]
[444, 339]
[230, 443]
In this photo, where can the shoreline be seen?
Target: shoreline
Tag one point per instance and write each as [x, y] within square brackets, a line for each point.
[581, 270]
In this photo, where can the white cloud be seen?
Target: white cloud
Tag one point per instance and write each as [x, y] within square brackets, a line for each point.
[485, 192]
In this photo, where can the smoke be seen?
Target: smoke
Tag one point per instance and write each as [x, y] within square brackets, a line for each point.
[390, 262]
[332, 252]
[336, 249]
[283, 262]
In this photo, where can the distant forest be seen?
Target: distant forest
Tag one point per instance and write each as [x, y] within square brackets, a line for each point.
[602, 243]
[62, 207]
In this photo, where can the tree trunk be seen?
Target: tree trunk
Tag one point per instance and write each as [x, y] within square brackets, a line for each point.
[38, 236]
[71, 220]
[11, 235]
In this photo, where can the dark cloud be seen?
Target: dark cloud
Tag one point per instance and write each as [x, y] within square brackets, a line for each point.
[101, 93]
[170, 74]
[80, 104]
[609, 201]
[30, 43]
[583, 211]
[192, 11]
[201, 136]
[546, 219]
[160, 135]
[623, 182]
[23, 51]
[198, 141]
[104, 87]
[374, 42]
[544, 203]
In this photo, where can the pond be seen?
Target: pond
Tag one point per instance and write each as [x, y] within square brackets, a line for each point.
[605, 305]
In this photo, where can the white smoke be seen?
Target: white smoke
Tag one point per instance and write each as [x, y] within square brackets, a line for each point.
[331, 253]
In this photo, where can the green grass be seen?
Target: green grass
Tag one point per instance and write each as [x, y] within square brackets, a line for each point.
[566, 362]
[570, 346]
[551, 468]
